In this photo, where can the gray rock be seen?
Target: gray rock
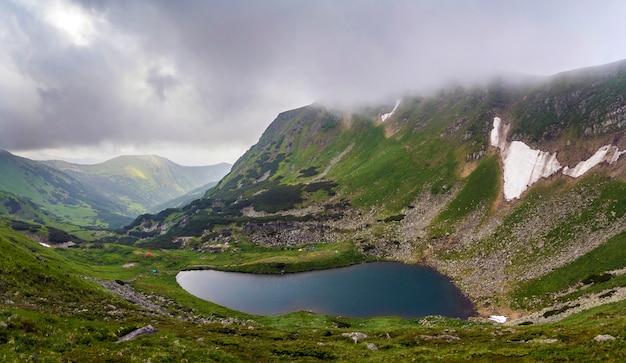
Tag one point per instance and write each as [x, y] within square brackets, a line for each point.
[603, 338]
[547, 341]
[356, 336]
[146, 330]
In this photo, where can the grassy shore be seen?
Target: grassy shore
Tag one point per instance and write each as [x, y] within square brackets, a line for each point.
[50, 313]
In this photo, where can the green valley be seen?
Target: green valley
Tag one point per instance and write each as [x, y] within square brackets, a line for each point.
[143, 184]
[109, 194]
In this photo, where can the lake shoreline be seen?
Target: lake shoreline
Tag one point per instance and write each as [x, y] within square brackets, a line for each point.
[424, 288]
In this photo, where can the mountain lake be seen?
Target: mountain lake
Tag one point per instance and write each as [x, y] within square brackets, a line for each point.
[365, 290]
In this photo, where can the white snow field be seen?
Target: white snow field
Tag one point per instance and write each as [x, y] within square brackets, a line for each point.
[524, 166]
[388, 114]
[607, 153]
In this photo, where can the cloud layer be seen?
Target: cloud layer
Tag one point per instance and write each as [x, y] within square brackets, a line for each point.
[199, 81]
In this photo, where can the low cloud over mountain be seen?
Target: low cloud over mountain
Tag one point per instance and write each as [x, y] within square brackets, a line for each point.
[198, 81]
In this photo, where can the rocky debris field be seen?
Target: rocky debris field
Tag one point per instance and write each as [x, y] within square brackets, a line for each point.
[156, 304]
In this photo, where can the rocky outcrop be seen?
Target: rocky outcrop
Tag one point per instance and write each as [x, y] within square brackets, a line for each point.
[126, 291]
[146, 330]
[283, 233]
[355, 336]
[603, 338]
[156, 304]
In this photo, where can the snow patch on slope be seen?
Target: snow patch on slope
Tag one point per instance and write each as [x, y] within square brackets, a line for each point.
[607, 153]
[387, 115]
[524, 166]
[498, 318]
[498, 133]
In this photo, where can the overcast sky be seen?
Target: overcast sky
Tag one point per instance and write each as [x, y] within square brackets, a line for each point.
[199, 81]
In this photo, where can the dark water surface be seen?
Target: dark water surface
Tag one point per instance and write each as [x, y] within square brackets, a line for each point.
[366, 290]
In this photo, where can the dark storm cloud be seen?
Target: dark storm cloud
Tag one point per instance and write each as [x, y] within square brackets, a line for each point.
[215, 73]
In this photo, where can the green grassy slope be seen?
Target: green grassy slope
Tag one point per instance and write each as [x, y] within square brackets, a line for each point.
[143, 183]
[57, 192]
[374, 164]
[25, 216]
[479, 191]
[39, 276]
[18, 208]
[572, 104]
[591, 268]
[50, 313]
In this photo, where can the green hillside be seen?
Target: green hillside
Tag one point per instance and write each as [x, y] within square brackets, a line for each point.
[27, 217]
[106, 195]
[375, 164]
[58, 193]
[15, 207]
[186, 198]
[51, 312]
[141, 184]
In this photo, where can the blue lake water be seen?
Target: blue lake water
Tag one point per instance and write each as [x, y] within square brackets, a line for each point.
[365, 290]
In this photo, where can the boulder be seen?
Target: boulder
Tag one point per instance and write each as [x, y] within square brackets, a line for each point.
[603, 338]
[146, 330]
[356, 336]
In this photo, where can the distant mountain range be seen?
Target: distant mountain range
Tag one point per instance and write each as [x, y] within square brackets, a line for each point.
[144, 183]
[108, 194]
